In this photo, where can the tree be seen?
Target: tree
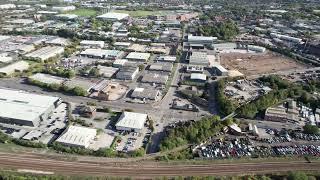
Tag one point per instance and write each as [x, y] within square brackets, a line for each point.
[311, 129]
[79, 91]
[141, 67]
[94, 72]
[54, 86]
[297, 176]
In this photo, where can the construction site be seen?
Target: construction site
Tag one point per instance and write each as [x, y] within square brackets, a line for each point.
[259, 63]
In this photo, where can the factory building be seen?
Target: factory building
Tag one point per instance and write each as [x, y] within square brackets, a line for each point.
[127, 73]
[14, 67]
[91, 44]
[256, 48]
[102, 54]
[203, 40]
[130, 121]
[197, 77]
[167, 58]
[7, 6]
[135, 56]
[114, 16]
[25, 109]
[286, 38]
[45, 53]
[279, 115]
[146, 94]
[198, 58]
[107, 72]
[220, 70]
[154, 78]
[76, 136]
[118, 63]
[63, 8]
[47, 78]
[164, 67]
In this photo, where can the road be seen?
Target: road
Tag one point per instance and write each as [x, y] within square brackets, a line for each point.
[155, 112]
[145, 170]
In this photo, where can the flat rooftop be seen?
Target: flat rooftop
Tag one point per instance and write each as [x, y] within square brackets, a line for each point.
[22, 105]
[77, 136]
[132, 120]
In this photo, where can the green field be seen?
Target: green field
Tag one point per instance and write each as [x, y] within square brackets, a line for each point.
[143, 13]
[84, 12]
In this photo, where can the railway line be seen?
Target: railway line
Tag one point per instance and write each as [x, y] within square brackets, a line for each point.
[145, 170]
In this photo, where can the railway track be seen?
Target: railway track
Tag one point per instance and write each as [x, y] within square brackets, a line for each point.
[146, 170]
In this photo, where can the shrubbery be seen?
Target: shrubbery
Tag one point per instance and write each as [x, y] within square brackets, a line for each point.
[225, 105]
[191, 133]
[77, 91]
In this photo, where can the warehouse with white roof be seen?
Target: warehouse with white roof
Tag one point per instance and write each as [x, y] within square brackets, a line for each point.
[131, 121]
[91, 44]
[26, 109]
[199, 58]
[102, 53]
[18, 66]
[77, 136]
[135, 56]
[113, 16]
[45, 53]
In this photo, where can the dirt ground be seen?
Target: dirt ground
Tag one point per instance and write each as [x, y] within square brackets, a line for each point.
[253, 64]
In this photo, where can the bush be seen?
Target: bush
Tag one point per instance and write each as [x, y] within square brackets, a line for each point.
[225, 105]
[310, 129]
[79, 91]
[191, 133]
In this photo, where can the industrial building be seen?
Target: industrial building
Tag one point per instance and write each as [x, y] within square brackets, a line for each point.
[131, 121]
[194, 69]
[24, 108]
[256, 48]
[203, 40]
[122, 44]
[107, 72]
[19, 66]
[80, 82]
[47, 78]
[5, 58]
[286, 38]
[166, 58]
[91, 44]
[220, 70]
[76, 136]
[165, 67]
[67, 17]
[135, 56]
[7, 6]
[199, 58]
[198, 77]
[118, 63]
[45, 53]
[154, 78]
[184, 105]
[113, 16]
[127, 73]
[137, 48]
[57, 41]
[102, 53]
[146, 94]
[279, 115]
[63, 8]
